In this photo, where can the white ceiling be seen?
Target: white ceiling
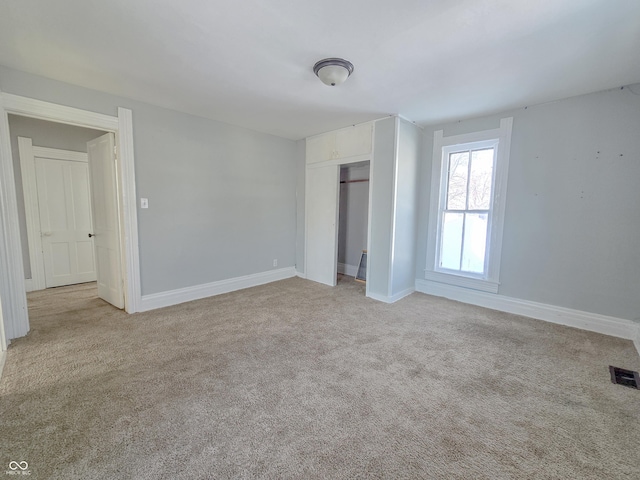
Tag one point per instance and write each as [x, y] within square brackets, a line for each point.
[249, 62]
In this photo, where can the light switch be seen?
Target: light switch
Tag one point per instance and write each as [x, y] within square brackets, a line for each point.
[144, 203]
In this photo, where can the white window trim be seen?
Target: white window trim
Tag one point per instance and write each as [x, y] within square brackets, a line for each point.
[502, 136]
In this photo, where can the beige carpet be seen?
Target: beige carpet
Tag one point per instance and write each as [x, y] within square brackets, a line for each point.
[298, 380]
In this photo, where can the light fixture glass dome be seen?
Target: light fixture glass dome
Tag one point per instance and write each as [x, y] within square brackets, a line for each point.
[333, 71]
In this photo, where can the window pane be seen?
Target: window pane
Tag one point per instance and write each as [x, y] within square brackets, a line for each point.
[457, 186]
[481, 179]
[451, 240]
[475, 241]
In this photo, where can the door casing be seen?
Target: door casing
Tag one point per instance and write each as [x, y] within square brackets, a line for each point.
[15, 318]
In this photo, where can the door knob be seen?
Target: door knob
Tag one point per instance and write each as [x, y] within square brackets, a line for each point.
[91, 235]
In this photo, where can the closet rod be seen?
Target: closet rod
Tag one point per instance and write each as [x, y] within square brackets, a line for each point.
[354, 181]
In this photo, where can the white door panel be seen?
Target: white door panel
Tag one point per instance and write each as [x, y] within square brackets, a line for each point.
[106, 226]
[322, 217]
[65, 221]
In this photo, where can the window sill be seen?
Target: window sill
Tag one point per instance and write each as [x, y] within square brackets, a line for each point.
[461, 281]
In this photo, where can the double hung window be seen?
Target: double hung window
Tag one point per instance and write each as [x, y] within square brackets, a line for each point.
[467, 207]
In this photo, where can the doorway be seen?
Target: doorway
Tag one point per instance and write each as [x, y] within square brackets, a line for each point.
[64, 193]
[51, 172]
[322, 212]
[15, 320]
[353, 217]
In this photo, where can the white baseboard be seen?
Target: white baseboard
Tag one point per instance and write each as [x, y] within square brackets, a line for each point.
[346, 269]
[301, 274]
[380, 298]
[594, 322]
[401, 295]
[181, 295]
[28, 284]
[392, 298]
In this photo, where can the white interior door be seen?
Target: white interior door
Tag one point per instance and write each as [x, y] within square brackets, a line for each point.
[106, 225]
[321, 252]
[65, 221]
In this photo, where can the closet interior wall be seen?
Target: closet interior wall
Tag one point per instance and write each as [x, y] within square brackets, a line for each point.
[353, 216]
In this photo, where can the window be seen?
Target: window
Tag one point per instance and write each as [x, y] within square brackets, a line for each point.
[467, 207]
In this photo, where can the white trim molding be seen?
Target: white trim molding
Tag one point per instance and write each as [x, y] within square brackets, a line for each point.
[369, 203]
[341, 161]
[187, 294]
[3, 358]
[346, 269]
[30, 107]
[13, 298]
[394, 203]
[636, 341]
[32, 213]
[391, 298]
[500, 140]
[461, 281]
[3, 339]
[593, 322]
[400, 295]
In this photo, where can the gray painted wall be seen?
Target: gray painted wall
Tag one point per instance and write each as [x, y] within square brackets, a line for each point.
[354, 213]
[406, 204]
[381, 185]
[222, 199]
[43, 134]
[572, 219]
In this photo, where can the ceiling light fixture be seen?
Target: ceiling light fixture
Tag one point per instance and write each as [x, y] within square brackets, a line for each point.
[333, 71]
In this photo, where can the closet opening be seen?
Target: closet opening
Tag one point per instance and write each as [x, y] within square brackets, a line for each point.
[353, 224]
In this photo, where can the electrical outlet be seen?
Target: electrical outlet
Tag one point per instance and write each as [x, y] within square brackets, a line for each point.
[275, 262]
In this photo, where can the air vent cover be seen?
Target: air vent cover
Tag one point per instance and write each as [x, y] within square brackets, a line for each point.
[628, 378]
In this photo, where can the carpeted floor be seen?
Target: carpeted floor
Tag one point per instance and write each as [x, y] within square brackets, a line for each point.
[298, 380]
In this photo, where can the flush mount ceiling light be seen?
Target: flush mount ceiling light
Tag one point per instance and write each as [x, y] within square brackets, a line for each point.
[333, 71]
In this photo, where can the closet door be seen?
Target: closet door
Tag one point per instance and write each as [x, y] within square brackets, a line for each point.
[321, 252]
